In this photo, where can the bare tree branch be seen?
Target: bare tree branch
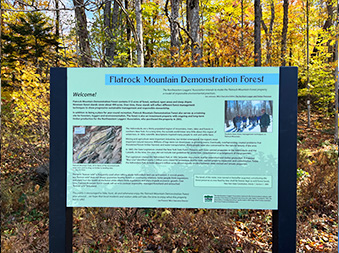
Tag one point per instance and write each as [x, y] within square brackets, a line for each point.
[176, 22]
[99, 5]
[130, 24]
[34, 8]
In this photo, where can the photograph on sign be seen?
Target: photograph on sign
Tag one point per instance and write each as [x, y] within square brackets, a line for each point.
[248, 116]
[173, 137]
[97, 144]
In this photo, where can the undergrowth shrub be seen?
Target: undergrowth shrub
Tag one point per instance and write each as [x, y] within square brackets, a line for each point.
[24, 146]
[318, 189]
[317, 227]
[24, 217]
[169, 230]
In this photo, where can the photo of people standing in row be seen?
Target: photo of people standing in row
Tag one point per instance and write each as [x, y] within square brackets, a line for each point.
[248, 116]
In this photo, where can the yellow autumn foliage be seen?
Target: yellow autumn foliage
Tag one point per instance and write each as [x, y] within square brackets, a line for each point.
[26, 98]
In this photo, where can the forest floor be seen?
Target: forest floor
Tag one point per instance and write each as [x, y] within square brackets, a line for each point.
[24, 211]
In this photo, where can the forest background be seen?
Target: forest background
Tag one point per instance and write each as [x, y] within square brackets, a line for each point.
[39, 34]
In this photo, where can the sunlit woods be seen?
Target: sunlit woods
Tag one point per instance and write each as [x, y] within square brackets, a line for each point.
[222, 35]
[226, 39]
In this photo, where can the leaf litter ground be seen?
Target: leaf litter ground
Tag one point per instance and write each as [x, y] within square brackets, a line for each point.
[24, 216]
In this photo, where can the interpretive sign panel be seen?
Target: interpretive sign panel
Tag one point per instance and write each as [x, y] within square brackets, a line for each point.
[173, 137]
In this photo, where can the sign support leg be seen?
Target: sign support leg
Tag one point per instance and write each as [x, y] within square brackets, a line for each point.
[60, 216]
[284, 219]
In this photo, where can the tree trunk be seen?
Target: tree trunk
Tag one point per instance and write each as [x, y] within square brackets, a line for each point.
[149, 49]
[308, 64]
[268, 32]
[257, 33]
[140, 45]
[242, 34]
[115, 23]
[193, 25]
[0, 54]
[84, 48]
[226, 120]
[108, 54]
[129, 36]
[291, 55]
[336, 136]
[175, 40]
[284, 34]
[271, 106]
[57, 31]
[237, 107]
[110, 27]
[330, 13]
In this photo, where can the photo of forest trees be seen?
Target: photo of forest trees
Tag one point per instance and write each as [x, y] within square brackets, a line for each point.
[247, 114]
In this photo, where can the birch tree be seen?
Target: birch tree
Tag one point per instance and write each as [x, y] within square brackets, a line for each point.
[174, 25]
[193, 25]
[140, 45]
[129, 36]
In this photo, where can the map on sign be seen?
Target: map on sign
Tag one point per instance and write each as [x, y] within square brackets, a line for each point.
[173, 137]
